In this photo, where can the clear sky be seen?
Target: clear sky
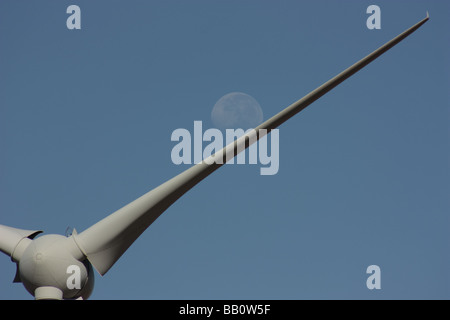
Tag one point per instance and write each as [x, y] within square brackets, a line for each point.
[86, 118]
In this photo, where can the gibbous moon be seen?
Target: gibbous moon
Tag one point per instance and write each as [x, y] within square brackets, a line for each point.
[237, 110]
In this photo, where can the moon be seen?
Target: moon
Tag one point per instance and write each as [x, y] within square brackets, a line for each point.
[237, 110]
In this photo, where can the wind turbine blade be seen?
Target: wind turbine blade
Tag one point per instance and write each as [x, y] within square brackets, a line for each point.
[106, 241]
[10, 238]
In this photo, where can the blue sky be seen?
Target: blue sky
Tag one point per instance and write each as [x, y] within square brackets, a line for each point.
[86, 118]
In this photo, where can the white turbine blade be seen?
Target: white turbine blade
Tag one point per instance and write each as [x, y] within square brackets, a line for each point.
[10, 238]
[105, 242]
[13, 242]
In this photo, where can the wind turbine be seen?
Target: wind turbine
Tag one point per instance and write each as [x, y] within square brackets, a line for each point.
[43, 262]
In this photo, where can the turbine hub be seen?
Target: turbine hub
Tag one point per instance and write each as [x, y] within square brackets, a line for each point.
[49, 263]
